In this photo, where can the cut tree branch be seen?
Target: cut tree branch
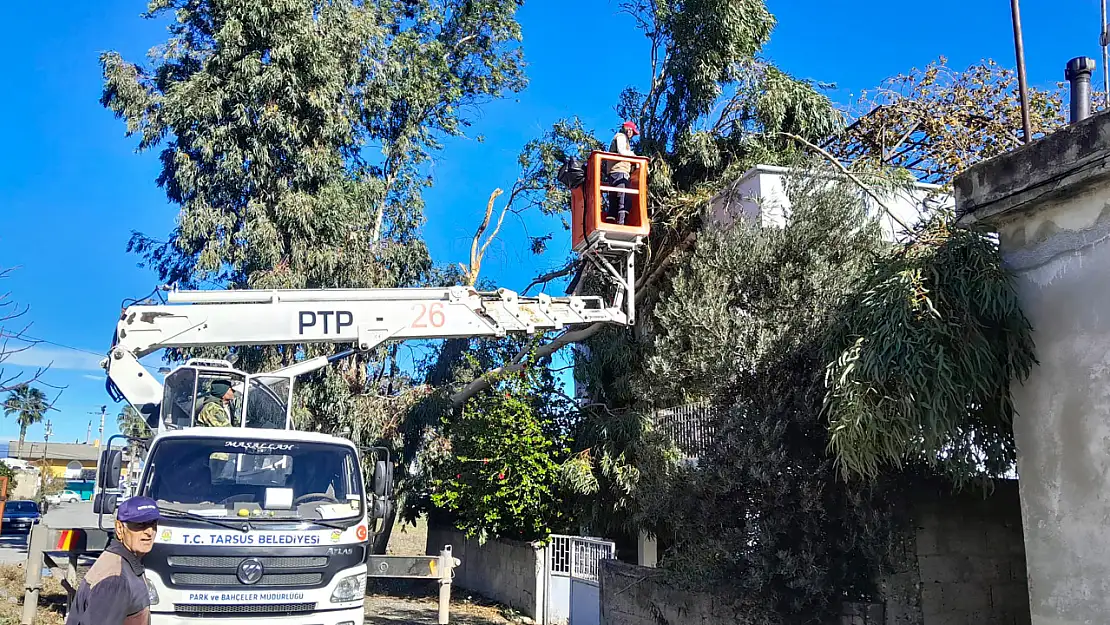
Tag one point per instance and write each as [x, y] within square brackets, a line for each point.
[477, 248]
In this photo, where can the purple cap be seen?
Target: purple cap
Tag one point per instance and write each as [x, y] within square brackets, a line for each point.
[138, 510]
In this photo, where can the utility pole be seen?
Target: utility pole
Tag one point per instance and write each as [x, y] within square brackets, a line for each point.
[1103, 42]
[45, 445]
[1019, 52]
[88, 432]
[100, 435]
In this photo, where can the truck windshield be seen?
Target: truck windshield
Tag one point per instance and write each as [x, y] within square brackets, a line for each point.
[255, 479]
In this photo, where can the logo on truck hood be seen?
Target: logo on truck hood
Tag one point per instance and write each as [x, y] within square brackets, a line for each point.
[250, 571]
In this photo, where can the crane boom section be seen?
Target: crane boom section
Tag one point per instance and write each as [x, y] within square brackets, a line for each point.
[365, 317]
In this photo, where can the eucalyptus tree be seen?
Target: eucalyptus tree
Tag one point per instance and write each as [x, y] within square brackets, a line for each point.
[293, 137]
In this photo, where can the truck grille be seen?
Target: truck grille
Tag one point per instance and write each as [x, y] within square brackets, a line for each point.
[275, 579]
[273, 609]
[232, 562]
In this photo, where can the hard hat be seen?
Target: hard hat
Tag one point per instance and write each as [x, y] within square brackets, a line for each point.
[632, 125]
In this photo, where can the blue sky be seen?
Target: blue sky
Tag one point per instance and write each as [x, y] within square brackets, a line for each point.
[72, 188]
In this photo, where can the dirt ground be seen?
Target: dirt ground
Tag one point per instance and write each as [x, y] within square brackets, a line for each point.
[392, 602]
[51, 600]
[404, 602]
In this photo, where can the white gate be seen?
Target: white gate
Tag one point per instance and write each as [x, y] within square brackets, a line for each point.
[571, 577]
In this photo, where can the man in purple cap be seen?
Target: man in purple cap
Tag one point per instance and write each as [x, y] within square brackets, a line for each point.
[114, 591]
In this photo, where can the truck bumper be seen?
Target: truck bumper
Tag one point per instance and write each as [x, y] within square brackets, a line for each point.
[353, 616]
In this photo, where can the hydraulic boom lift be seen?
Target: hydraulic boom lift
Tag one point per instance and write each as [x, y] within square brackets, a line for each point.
[260, 520]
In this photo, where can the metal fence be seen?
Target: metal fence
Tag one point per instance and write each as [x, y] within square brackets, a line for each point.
[578, 556]
[691, 426]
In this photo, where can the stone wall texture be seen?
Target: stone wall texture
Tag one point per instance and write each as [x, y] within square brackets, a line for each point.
[971, 559]
[508, 572]
[964, 565]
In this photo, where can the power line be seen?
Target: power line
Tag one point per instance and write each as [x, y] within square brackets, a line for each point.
[32, 339]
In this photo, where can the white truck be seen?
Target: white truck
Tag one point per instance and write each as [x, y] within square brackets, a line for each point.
[262, 520]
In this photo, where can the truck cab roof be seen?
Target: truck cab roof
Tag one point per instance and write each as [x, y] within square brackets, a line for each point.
[236, 433]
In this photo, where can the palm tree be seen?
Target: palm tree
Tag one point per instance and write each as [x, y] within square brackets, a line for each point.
[131, 423]
[30, 405]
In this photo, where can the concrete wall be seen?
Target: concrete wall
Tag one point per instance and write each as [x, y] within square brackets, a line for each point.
[635, 595]
[964, 564]
[970, 561]
[508, 572]
[1050, 204]
[26, 485]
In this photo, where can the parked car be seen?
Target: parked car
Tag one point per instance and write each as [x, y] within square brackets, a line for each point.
[66, 496]
[19, 517]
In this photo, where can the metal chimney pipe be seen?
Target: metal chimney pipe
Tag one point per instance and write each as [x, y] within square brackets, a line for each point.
[1078, 73]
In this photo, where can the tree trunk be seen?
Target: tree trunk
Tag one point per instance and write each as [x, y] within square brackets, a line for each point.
[381, 541]
[22, 436]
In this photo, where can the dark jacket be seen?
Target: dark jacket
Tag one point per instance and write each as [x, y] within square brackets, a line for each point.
[113, 591]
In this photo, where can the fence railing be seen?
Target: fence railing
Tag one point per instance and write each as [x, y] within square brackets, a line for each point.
[691, 426]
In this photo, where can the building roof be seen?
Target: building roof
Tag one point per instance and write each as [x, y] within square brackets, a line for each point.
[54, 451]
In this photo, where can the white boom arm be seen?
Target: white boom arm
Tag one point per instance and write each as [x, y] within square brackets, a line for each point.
[363, 317]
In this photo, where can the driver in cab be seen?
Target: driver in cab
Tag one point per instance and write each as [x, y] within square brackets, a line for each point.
[214, 411]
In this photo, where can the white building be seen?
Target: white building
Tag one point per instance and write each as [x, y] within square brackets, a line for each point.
[760, 194]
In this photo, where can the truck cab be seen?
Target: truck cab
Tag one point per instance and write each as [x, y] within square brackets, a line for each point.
[272, 526]
[258, 520]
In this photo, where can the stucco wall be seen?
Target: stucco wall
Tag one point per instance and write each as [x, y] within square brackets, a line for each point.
[1062, 264]
[1050, 204]
[508, 572]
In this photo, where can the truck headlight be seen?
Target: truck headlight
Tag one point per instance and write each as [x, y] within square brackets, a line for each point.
[350, 588]
[151, 592]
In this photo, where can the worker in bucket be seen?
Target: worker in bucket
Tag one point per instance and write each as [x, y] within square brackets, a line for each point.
[214, 411]
[114, 591]
[620, 173]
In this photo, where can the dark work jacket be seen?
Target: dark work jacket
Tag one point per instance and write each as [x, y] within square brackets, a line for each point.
[113, 591]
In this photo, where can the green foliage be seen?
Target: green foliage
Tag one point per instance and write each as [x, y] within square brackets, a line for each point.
[132, 424]
[748, 291]
[697, 48]
[29, 405]
[618, 479]
[922, 359]
[8, 472]
[293, 136]
[498, 471]
[742, 324]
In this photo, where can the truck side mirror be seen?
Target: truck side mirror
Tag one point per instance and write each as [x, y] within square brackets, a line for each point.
[105, 503]
[381, 509]
[383, 478]
[111, 461]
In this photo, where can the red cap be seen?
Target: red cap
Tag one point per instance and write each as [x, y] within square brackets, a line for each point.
[631, 125]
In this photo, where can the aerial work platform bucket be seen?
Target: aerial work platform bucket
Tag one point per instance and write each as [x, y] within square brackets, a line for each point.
[589, 200]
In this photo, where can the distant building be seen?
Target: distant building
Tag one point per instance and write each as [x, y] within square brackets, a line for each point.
[760, 195]
[63, 460]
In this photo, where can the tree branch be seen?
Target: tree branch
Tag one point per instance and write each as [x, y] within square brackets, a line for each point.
[10, 311]
[483, 381]
[551, 275]
[866, 189]
[478, 249]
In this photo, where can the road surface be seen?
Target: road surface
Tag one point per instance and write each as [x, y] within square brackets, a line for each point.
[13, 547]
[380, 609]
